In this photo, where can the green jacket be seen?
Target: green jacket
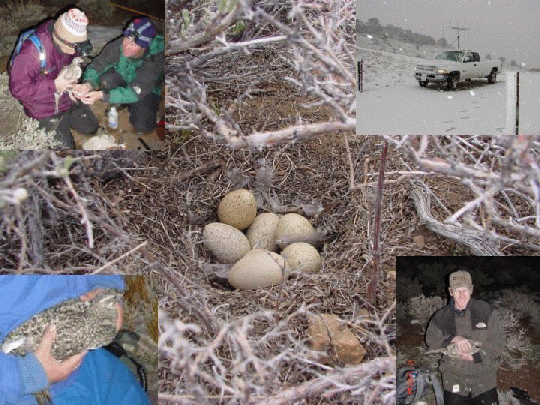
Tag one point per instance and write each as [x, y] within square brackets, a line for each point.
[143, 75]
[476, 322]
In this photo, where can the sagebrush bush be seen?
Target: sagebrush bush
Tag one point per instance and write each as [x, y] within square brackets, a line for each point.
[522, 302]
[22, 132]
[422, 308]
[518, 347]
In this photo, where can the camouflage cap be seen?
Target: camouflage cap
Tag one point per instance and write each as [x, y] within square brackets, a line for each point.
[460, 279]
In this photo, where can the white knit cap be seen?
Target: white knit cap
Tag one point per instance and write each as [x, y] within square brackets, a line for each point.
[71, 26]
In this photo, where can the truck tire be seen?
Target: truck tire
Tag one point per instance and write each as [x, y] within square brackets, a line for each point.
[452, 81]
[492, 78]
[423, 84]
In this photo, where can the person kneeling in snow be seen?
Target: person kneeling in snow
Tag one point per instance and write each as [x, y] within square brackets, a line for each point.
[129, 70]
[35, 79]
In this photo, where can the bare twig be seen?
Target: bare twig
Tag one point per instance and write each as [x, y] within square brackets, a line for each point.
[376, 254]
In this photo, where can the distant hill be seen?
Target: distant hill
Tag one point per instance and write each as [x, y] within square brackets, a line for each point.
[374, 27]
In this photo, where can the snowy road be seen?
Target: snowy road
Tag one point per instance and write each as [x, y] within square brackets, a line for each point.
[393, 103]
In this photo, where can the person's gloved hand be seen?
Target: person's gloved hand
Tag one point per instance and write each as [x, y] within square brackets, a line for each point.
[56, 370]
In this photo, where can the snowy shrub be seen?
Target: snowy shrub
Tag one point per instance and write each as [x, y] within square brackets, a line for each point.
[28, 136]
[522, 302]
[422, 308]
[20, 131]
[518, 345]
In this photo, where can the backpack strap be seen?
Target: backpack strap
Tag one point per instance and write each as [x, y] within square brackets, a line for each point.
[32, 36]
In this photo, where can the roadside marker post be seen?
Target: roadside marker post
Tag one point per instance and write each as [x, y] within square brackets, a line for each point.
[512, 103]
[361, 76]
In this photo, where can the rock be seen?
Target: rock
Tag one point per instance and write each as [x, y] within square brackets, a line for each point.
[328, 334]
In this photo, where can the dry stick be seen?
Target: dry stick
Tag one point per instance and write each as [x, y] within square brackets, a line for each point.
[24, 243]
[85, 220]
[480, 244]
[140, 245]
[175, 280]
[375, 261]
[352, 186]
[210, 32]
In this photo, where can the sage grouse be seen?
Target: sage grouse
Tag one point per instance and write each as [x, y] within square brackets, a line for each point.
[71, 72]
[452, 351]
[80, 325]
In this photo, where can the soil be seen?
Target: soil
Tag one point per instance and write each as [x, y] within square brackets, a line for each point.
[525, 378]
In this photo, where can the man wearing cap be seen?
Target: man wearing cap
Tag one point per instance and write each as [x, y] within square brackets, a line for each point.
[471, 377]
[41, 90]
[129, 70]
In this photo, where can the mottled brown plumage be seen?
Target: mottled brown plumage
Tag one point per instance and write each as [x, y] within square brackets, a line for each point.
[80, 325]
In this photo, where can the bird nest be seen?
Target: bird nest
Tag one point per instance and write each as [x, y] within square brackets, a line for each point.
[219, 345]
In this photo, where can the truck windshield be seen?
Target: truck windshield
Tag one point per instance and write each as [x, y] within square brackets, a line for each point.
[450, 55]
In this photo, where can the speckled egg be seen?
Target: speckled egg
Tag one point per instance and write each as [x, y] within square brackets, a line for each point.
[226, 243]
[238, 208]
[293, 228]
[302, 257]
[259, 268]
[262, 232]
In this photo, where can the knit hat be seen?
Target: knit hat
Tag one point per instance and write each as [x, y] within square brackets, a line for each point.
[142, 30]
[460, 279]
[71, 26]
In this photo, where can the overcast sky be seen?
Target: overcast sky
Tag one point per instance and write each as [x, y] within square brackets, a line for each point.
[506, 28]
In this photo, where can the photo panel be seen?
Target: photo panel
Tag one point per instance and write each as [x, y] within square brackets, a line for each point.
[86, 76]
[448, 69]
[102, 349]
[498, 315]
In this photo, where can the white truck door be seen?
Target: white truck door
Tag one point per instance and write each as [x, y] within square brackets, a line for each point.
[469, 67]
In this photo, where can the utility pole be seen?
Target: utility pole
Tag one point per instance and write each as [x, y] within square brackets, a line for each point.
[459, 29]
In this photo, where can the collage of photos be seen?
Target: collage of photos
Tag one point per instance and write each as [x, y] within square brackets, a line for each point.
[275, 202]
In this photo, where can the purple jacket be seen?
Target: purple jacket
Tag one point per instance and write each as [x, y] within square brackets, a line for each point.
[34, 89]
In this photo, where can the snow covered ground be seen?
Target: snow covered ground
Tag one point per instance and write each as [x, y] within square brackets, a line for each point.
[392, 102]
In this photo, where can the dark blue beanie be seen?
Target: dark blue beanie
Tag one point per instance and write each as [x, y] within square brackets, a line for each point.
[143, 31]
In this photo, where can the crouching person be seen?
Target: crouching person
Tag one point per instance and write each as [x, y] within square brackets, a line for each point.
[35, 79]
[129, 71]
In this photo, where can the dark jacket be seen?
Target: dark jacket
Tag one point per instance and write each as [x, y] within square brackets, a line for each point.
[143, 75]
[32, 86]
[476, 322]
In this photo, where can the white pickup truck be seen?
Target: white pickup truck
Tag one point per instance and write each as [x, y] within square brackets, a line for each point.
[451, 67]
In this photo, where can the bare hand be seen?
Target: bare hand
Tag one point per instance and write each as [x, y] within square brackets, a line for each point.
[82, 89]
[62, 84]
[91, 97]
[119, 310]
[55, 370]
[467, 357]
[463, 345]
